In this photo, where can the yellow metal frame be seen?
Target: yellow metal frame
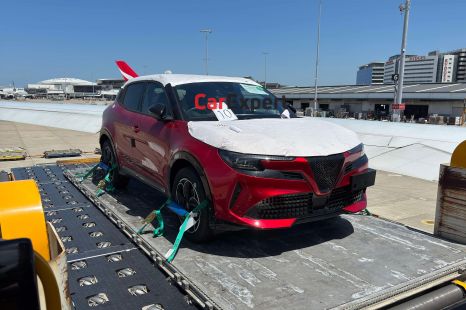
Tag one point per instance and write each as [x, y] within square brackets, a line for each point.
[87, 160]
[22, 215]
[460, 283]
[11, 157]
[458, 158]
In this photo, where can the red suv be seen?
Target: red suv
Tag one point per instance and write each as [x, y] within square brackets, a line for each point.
[230, 141]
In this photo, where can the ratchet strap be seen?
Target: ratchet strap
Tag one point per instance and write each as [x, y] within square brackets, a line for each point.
[83, 176]
[156, 214]
[159, 227]
[104, 185]
[187, 224]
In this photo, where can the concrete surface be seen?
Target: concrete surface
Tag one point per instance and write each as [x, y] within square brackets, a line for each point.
[37, 139]
[415, 150]
[404, 199]
[80, 117]
[399, 198]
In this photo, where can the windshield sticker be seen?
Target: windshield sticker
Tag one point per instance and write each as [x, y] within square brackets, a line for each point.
[223, 113]
[254, 89]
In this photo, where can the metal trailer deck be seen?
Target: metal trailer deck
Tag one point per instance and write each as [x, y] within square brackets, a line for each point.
[105, 268]
[348, 262]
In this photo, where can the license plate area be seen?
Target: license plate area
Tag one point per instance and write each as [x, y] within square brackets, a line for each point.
[363, 180]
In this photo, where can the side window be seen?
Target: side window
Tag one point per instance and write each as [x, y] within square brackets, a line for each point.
[133, 96]
[155, 93]
[120, 96]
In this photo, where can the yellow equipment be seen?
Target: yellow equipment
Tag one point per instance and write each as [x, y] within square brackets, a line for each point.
[22, 215]
[458, 158]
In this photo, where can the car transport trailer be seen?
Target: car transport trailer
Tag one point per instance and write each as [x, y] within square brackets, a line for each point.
[346, 262]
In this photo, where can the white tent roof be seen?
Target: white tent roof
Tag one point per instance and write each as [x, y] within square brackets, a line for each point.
[70, 81]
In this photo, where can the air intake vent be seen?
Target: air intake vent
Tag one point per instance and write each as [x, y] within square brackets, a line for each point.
[301, 205]
[326, 170]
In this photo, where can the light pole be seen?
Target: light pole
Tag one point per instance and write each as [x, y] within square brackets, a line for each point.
[463, 117]
[401, 69]
[206, 32]
[265, 68]
[317, 58]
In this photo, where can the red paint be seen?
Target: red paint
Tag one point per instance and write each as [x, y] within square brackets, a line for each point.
[126, 69]
[358, 206]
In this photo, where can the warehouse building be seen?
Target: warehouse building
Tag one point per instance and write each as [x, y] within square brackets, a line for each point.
[374, 101]
[370, 74]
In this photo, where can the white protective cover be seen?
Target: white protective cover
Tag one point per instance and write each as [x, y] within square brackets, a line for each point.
[283, 137]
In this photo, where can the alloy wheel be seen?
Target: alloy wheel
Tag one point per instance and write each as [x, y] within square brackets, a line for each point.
[186, 195]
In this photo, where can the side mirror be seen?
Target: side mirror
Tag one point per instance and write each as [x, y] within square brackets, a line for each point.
[159, 110]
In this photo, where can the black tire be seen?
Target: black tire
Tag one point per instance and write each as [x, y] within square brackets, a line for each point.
[108, 157]
[188, 191]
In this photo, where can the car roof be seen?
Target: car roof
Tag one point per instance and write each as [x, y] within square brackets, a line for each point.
[177, 79]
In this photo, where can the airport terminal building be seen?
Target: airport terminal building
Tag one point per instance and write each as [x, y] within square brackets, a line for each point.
[76, 88]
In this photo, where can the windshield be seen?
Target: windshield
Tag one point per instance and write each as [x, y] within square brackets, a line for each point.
[246, 101]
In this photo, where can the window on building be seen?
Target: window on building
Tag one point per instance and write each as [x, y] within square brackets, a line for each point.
[323, 106]
[417, 111]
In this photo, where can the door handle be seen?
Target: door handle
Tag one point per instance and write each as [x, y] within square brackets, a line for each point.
[136, 128]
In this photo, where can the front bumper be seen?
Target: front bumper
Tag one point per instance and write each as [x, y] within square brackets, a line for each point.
[269, 202]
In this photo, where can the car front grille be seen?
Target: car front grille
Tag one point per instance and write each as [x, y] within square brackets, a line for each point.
[326, 170]
[301, 205]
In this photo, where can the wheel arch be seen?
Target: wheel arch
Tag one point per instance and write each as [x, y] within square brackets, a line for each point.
[106, 136]
[182, 160]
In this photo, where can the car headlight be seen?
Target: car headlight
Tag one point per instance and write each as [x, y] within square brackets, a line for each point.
[242, 161]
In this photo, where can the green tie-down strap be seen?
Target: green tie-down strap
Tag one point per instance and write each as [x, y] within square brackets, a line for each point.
[156, 214]
[83, 176]
[170, 255]
[159, 228]
[105, 185]
[366, 212]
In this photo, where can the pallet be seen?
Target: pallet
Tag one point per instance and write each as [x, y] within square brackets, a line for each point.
[450, 217]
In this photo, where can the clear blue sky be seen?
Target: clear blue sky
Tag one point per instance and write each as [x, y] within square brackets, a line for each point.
[57, 38]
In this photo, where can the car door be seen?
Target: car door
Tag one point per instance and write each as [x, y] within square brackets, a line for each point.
[126, 126]
[153, 143]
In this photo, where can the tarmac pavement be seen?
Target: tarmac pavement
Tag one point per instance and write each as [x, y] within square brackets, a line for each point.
[395, 197]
